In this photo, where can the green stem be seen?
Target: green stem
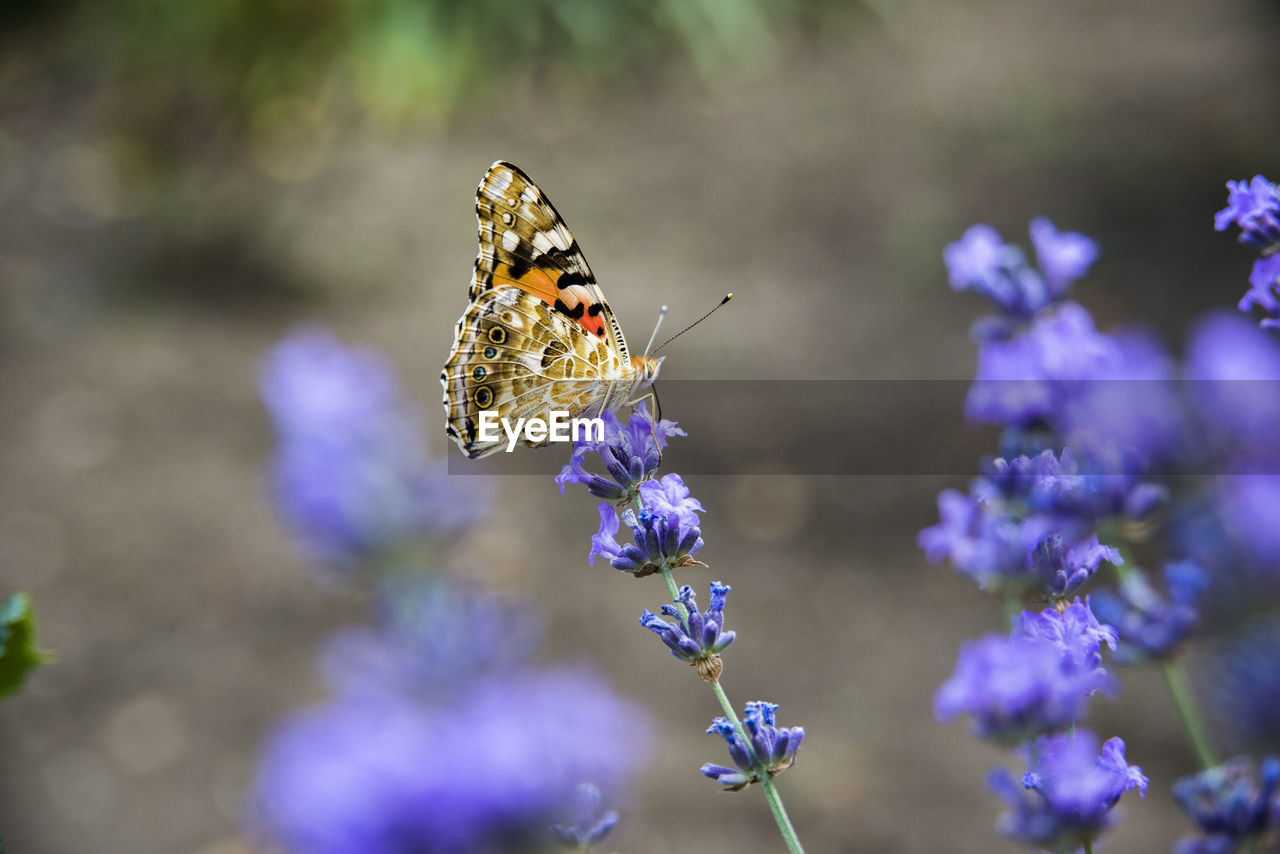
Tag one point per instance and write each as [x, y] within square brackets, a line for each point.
[1184, 700]
[1088, 846]
[770, 790]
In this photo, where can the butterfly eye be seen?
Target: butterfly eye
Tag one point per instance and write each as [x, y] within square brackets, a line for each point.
[479, 373]
[490, 352]
[484, 397]
[497, 335]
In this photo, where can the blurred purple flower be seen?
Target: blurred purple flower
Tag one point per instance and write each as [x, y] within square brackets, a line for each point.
[1264, 290]
[983, 541]
[431, 638]
[1151, 626]
[352, 477]
[1255, 208]
[1075, 788]
[1063, 256]
[589, 826]
[1023, 379]
[1036, 681]
[1250, 510]
[1235, 372]
[1063, 568]
[773, 745]
[486, 772]
[1230, 809]
[630, 454]
[669, 496]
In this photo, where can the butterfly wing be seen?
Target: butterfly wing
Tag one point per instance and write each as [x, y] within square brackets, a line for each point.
[524, 243]
[518, 357]
[538, 333]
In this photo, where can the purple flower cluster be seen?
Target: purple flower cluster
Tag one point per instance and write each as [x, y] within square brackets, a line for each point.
[1152, 627]
[352, 478]
[1036, 681]
[394, 763]
[696, 637]
[1073, 788]
[1255, 208]
[665, 530]
[630, 454]
[1028, 525]
[770, 749]
[1230, 810]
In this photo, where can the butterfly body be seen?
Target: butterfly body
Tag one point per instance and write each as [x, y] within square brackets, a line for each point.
[537, 334]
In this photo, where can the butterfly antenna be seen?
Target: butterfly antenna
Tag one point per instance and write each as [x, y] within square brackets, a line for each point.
[656, 327]
[727, 297]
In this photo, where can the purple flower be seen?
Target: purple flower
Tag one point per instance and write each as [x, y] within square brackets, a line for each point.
[486, 772]
[1152, 626]
[588, 826]
[1063, 569]
[697, 638]
[669, 496]
[1229, 808]
[1074, 788]
[352, 477]
[1038, 680]
[1063, 256]
[1255, 208]
[982, 262]
[630, 454]
[1235, 372]
[431, 638]
[775, 747]
[1074, 630]
[1264, 290]
[982, 540]
[1022, 379]
[1250, 510]
[671, 538]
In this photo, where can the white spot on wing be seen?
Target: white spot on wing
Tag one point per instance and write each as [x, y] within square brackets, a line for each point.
[560, 237]
[530, 195]
[541, 242]
[510, 240]
[501, 179]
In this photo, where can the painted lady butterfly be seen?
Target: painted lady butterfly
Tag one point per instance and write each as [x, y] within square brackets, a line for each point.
[538, 333]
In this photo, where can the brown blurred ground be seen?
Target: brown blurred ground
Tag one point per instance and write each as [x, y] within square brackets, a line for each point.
[132, 445]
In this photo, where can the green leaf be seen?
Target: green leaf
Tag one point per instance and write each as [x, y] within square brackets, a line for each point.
[18, 653]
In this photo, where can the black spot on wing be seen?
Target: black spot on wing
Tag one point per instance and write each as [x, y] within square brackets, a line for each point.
[594, 309]
[568, 280]
[576, 312]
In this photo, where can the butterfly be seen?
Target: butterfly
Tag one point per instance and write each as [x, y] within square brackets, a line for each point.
[538, 334]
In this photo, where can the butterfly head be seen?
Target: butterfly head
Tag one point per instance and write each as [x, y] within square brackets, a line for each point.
[648, 367]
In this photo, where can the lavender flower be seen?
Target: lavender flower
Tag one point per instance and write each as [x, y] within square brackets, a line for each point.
[1255, 208]
[1235, 369]
[352, 477]
[1036, 681]
[588, 827]
[981, 261]
[1075, 788]
[670, 538]
[431, 637]
[1062, 569]
[1151, 627]
[630, 455]
[1063, 256]
[486, 772]
[982, 540]
[1264, 290]
[774, 746]
[697, 638]
[1230, 809]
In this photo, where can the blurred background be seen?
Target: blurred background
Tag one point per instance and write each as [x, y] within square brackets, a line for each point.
[181, 184]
